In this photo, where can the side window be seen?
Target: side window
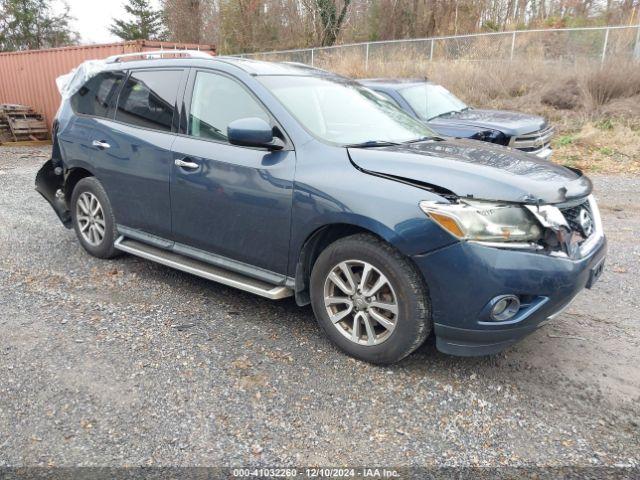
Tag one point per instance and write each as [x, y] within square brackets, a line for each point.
[97, 97]
[148, 99]
[217, 101]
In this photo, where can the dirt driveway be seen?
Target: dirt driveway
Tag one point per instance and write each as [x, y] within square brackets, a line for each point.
[127, 362]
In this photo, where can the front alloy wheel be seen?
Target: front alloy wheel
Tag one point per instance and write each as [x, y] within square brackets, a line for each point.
[370, 299]
[361, 302]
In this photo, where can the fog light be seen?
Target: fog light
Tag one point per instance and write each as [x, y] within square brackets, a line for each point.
[505, 308]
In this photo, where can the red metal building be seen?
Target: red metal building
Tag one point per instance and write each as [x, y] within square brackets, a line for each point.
[28, 77]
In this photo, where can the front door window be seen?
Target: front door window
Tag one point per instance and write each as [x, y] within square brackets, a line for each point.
[216, 102]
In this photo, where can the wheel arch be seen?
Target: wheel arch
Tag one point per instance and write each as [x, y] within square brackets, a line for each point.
[73, 176]
[57, 188]
[311, 248]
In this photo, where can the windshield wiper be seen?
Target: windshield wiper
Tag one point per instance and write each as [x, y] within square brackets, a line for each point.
[444, 113]
[458, 112]
[424, 139]
[435, 138]
[372, 143]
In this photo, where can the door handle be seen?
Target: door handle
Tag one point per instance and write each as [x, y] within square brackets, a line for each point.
[100, 145]
[184, 164]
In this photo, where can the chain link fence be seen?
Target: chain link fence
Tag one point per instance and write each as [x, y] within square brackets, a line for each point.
[568, 45]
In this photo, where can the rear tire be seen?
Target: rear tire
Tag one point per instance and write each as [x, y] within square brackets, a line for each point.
[93, 218]
[381, 319]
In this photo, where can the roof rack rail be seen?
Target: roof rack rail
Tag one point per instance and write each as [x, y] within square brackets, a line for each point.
[311, 67]
[305, 65]
[158, 54]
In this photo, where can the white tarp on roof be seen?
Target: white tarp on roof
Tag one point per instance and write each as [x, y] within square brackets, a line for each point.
[70, 83]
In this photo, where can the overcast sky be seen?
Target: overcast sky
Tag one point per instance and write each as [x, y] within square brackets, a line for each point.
[92, 18]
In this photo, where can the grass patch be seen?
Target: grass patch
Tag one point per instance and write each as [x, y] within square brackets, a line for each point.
[564, 140]
[571, 161]
[604, 124]
[606, 151]
[593, 149]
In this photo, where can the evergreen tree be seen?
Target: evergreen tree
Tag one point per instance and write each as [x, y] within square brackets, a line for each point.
[147, 23]
[32, 25]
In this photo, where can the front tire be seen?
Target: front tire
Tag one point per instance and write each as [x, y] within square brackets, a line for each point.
[93, 219]
[370, 299]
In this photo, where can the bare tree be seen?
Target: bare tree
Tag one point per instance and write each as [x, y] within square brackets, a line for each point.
[184, 19]
[237, 26]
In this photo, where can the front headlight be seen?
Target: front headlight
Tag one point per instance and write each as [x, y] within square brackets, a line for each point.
[485, 221]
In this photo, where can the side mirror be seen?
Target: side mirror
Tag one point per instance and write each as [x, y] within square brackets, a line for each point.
[252, 132]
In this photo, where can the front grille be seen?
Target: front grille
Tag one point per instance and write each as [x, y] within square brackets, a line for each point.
[534, 141]
[580, 219]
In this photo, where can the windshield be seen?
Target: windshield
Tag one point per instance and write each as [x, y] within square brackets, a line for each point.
[430, 101]
[343, 112]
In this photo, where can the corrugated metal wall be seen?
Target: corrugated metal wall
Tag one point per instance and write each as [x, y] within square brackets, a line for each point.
[29, 77]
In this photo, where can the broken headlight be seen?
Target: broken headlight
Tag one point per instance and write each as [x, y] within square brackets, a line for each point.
[492, 136]
[485, 221]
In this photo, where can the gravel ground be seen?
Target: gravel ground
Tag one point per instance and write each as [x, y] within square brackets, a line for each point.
[125, 362]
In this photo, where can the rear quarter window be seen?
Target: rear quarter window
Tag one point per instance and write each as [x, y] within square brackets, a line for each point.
[98, 96]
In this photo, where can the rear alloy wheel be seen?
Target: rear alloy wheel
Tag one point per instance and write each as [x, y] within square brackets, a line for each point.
[93, 218]
[370, 299]
[90, 217]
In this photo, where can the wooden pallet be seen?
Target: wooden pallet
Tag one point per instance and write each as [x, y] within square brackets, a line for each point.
[21, 123]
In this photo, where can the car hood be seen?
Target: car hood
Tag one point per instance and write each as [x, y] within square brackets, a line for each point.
[509, 123]
[475, 169]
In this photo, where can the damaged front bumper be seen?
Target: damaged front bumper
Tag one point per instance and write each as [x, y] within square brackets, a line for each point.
[464, 278]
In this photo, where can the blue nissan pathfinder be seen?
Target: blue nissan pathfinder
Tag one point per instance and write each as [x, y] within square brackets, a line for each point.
[283, 180]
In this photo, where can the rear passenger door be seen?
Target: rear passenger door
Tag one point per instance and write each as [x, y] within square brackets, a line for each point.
[132, 151]
[94, 100]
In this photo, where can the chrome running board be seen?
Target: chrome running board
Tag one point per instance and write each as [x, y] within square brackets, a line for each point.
[202, 269]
